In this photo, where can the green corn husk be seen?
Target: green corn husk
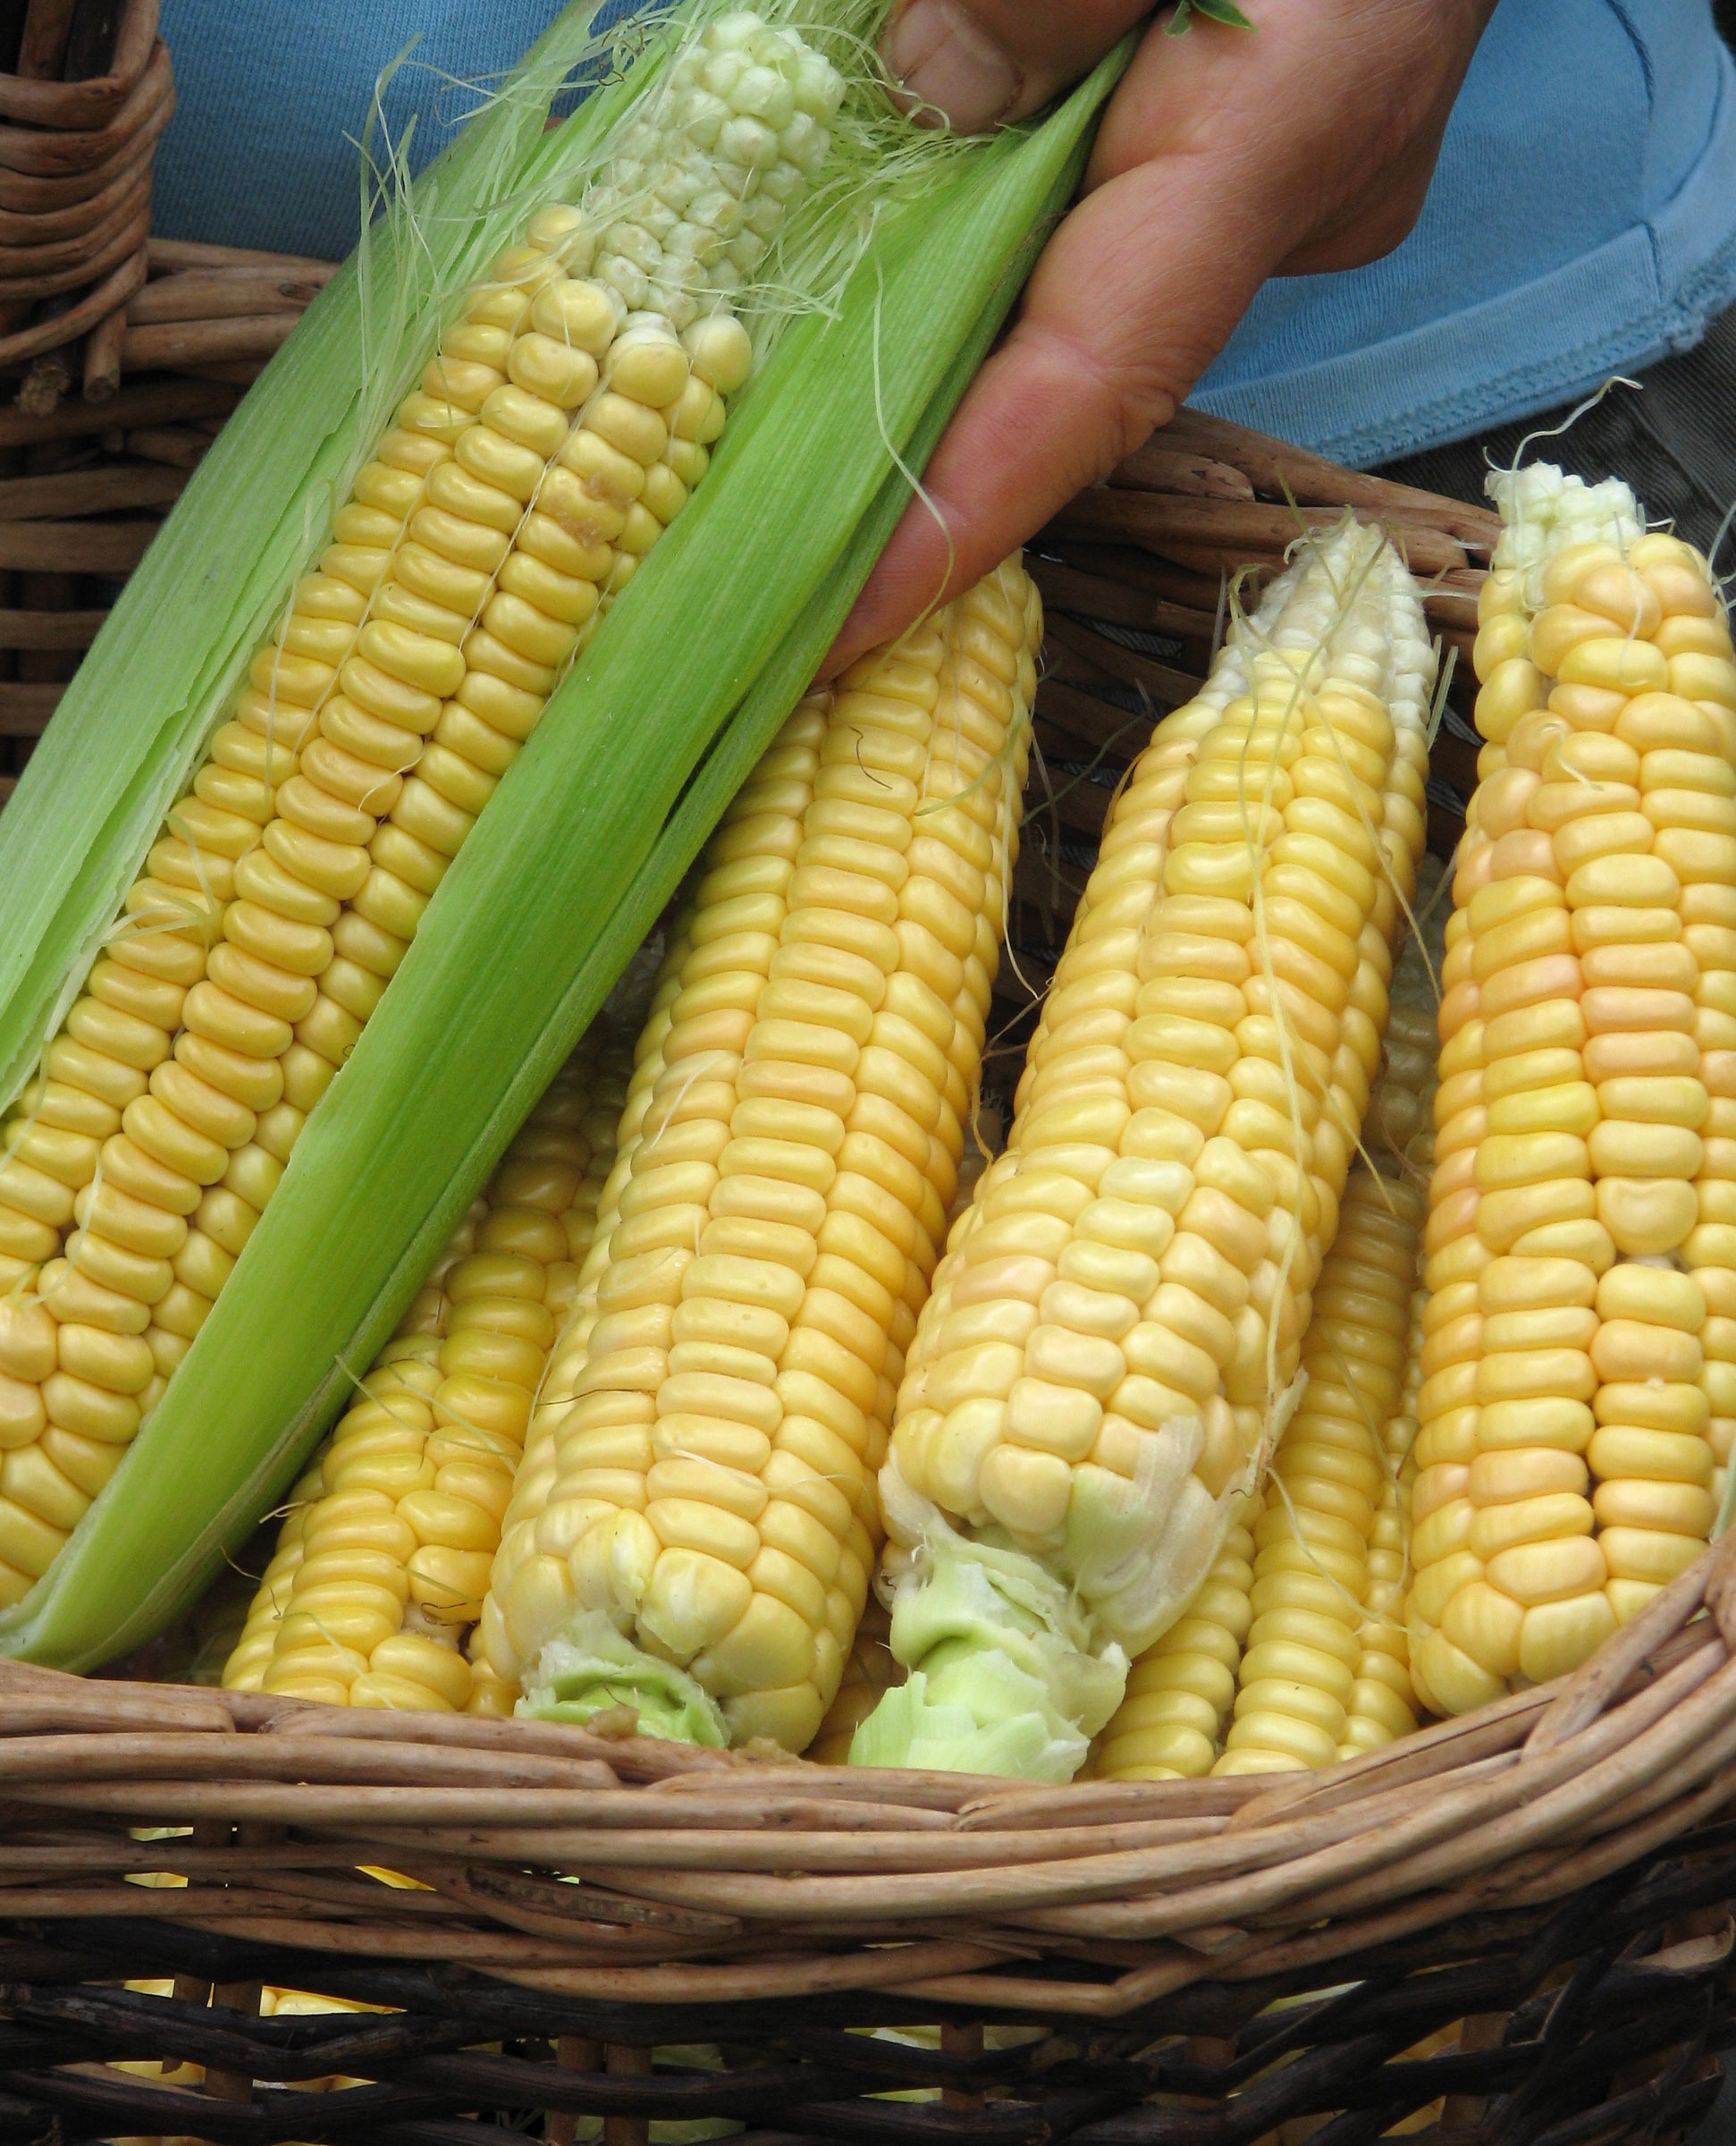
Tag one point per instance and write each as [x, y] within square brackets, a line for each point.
[639, 751]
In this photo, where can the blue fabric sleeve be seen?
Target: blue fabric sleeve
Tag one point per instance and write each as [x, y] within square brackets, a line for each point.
[1581, 223]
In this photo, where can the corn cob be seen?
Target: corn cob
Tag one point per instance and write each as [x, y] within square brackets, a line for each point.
[1170, 1724]
[1180, 1692]
[384, 1556]
[698, 1526]
[1091, 1386]
[1313, 1540]
[1331, 1525]
[489, 1693]
[1383, 1704]
[1580, 1369]
[871, 1668]
[1400, 1140]
[557, 431]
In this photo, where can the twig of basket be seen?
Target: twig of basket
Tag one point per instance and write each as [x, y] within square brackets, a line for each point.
[1281, 471]
[1590, 1688]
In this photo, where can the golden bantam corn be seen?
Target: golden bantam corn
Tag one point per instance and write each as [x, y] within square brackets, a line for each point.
[1383, 1704]
[1102, 1366]
[1330, 1549]
[1170, 1724]
[1580, 1362]
[870, 1668]
[1314, 1540]
[384, 1553]
[694, 1525]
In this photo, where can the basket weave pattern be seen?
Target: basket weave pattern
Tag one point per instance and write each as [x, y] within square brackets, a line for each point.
[75, 189]
[1556, 1858]
[1512, 1927]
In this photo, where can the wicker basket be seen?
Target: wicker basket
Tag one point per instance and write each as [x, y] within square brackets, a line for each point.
[78, 124]
[1512, 1927]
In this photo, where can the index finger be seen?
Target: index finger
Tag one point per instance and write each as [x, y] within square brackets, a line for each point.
[1137, 292]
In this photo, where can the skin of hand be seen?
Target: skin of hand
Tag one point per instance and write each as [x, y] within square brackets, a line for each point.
[1225, 157]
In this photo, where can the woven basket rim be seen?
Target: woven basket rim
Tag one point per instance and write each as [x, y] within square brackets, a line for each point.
[937, 1885]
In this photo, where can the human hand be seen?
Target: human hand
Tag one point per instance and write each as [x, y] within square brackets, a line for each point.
[1224, 157]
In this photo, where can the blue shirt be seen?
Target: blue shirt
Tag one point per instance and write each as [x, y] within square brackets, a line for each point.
[1582, 221]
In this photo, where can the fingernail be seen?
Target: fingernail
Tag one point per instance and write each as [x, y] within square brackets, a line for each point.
[943, 56]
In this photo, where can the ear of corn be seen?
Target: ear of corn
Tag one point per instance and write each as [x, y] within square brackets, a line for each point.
[1314, 1538]
[695, 1525]
[870, 1667]
[1383, 1704]
[1319, 1592]
[387, 1162]
[1330, 1553]
[1579, 1382]
[480, 547]
[383, 1557]
[1106, 1357]
[1170, 1724]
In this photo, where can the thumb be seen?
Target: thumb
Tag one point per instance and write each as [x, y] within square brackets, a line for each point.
[981, 63]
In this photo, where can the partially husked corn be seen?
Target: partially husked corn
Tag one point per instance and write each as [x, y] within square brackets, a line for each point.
[568, 411]
[385, 1552]
[1322, 1664]
[1094, 1378]
[696, 1511]
[1580, 1385]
